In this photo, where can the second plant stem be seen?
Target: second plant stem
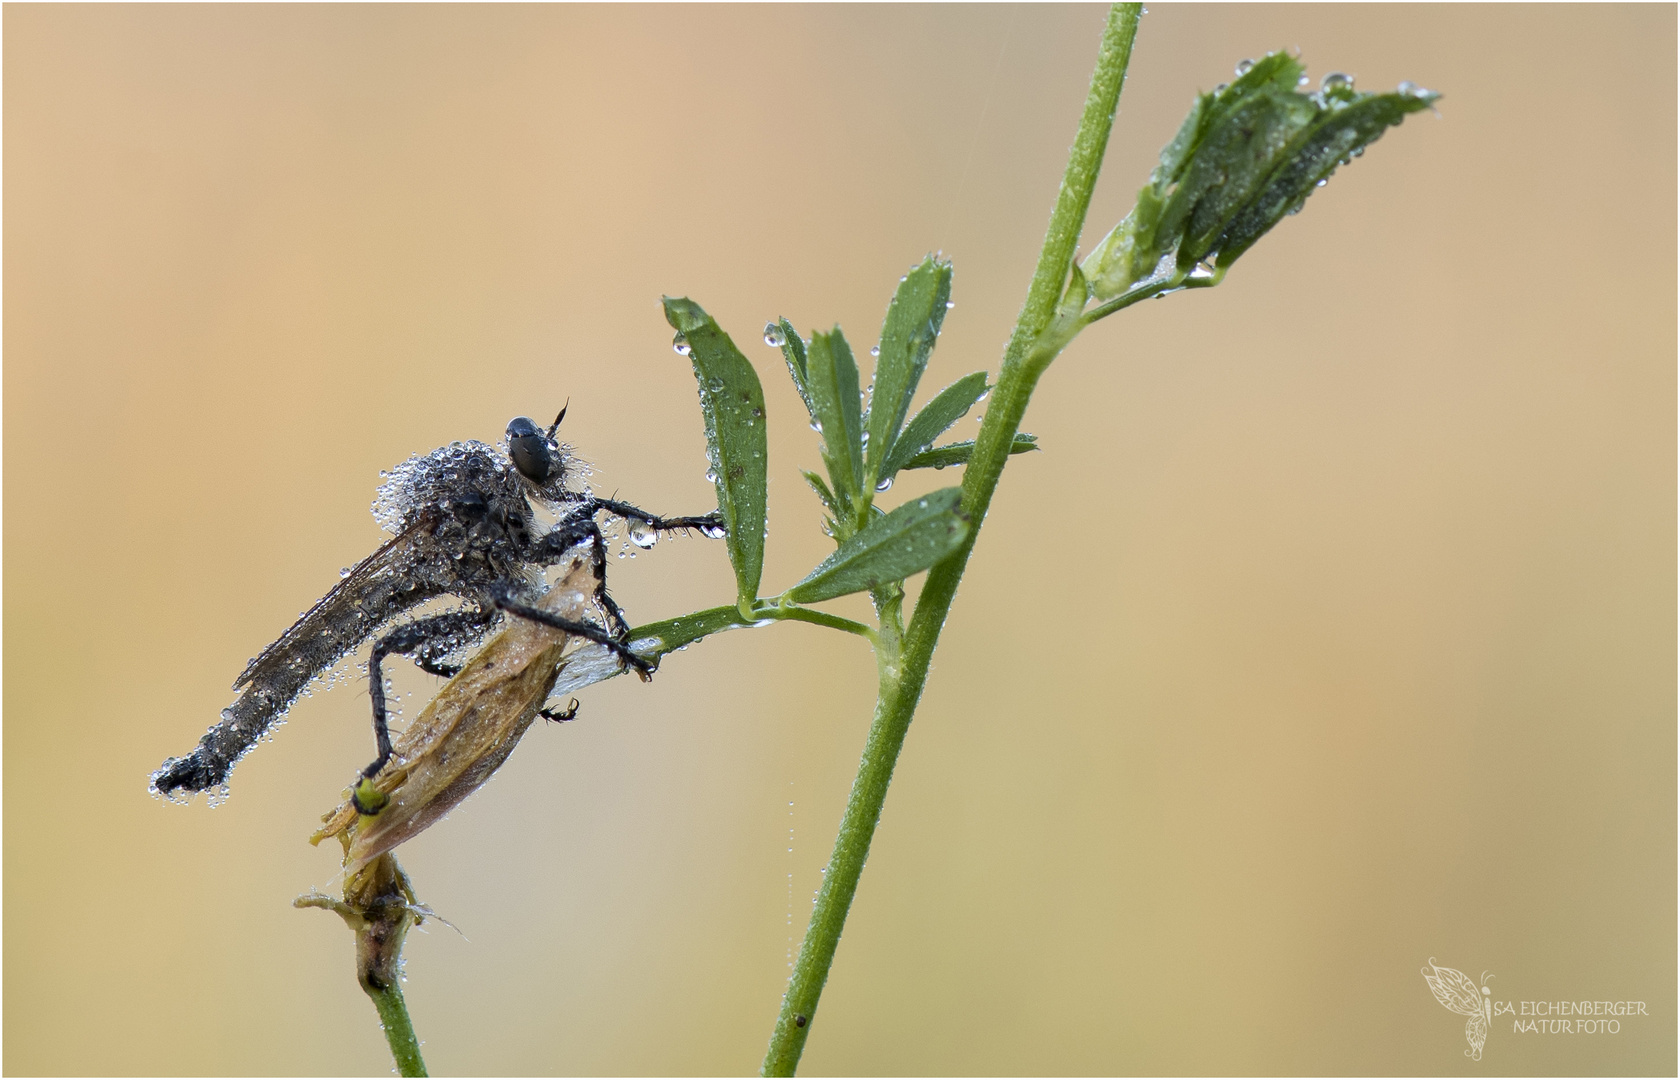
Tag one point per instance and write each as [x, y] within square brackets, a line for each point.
[399, 1030]
[902, 661]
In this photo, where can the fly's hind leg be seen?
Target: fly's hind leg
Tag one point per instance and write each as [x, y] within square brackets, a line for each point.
[425, 640]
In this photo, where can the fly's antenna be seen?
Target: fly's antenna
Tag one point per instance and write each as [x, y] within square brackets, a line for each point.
[559, 418]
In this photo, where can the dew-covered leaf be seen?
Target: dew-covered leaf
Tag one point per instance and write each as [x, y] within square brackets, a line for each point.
[732, 401]
[793, 351]
[821, 489]
[947, 407]
[1247, 154]
[912, 326]
[958, 453]
[1334, 139]
[832, 375]
[906, 541]
[656, 639]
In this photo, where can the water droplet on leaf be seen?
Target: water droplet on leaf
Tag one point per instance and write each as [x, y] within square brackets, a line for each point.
[884, 484]
[680, 344]
[1244, 66]
[641, 533]
[773, 335]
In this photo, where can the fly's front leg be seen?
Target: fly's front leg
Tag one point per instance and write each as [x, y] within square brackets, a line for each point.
[710, 525]
[423, 638]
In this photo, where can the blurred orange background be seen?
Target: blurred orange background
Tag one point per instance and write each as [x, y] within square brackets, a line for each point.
[1333, 630]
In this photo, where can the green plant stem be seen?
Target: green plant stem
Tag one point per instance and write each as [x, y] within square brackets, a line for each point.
[818, 618]
[399, 1030]
[903, 671]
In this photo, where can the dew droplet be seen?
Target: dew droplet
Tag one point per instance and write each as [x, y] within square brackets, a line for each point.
[1337, 80]
[1244, 67]
[875, 351]
[816, 426]
[680, 344]
[713, 531]
[1221, 88]
[641, 533]
[711, 476]
[884, 484]
[1303, 81]
[773, 335]
[1321, 183]
[1202, 271]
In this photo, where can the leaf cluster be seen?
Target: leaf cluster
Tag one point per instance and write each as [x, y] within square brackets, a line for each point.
[1247, 155]
[867, 437]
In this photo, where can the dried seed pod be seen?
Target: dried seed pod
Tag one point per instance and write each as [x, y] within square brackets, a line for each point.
[468, 729]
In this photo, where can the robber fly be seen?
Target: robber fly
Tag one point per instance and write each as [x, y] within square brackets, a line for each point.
[466, 527]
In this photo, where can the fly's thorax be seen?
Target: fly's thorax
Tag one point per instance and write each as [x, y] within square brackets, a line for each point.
[458, 478]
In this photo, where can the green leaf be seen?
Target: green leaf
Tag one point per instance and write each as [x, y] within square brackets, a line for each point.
[1246, 155]
[950, 405]
[793, 351]
[820, 488]
[958, 453]
[906, 541]
[656, 639]
[1333, 140]
[837, 406]
[912, 326]
[732, 402]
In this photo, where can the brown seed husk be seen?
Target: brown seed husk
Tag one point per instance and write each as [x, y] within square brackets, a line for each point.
[470, 728]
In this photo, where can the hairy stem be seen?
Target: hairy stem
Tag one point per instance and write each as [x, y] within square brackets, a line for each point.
[399, 1030]
[903, 670]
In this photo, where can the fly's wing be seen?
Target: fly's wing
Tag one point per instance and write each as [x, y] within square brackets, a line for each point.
[467, 731]
[1455, 990]
[369, 594]
[1475, 1032]
[380, 587]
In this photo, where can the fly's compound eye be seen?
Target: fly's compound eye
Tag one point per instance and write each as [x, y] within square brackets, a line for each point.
[530, 450]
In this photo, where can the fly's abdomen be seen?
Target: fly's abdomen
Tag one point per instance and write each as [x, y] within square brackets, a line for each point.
[387, 583]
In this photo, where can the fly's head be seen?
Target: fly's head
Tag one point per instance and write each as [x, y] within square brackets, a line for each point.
[539, 459]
